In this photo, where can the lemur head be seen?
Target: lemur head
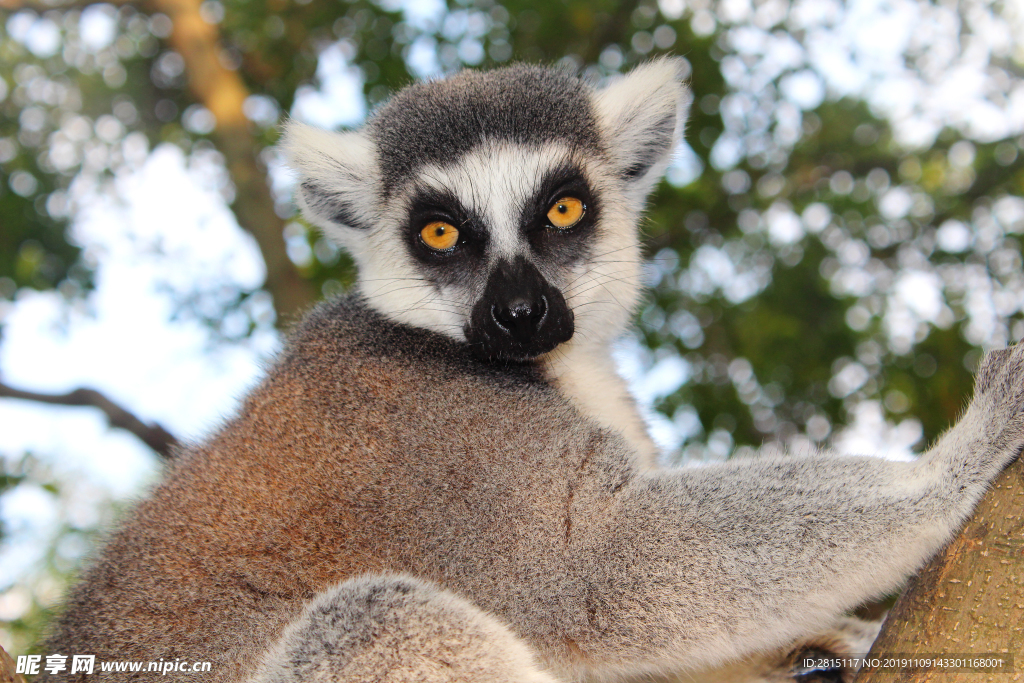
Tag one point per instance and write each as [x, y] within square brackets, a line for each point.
[498, 208]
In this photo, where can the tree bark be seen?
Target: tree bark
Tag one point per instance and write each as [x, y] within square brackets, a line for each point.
[969, 600]
[222, 91]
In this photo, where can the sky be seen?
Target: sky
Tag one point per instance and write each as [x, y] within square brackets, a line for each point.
[163, 230]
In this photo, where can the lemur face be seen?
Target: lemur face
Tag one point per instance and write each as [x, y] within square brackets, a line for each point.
[498, 208]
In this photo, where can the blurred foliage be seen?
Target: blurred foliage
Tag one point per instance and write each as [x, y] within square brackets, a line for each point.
[804, 264]
[27, 607]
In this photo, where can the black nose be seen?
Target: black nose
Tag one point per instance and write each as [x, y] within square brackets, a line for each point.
[520, 317]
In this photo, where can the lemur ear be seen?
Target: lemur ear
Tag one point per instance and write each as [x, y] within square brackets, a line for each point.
[641, 116]
[338, 178]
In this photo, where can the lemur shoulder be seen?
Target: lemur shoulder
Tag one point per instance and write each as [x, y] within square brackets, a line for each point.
[442, 478]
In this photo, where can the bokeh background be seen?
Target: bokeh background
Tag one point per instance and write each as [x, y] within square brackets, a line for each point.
[836, 244]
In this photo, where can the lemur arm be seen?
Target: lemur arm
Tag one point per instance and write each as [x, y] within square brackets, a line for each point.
[703, 565]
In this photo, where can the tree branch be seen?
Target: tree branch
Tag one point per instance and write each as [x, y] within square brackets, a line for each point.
[969, 600]
[222, 91]
[154, 436]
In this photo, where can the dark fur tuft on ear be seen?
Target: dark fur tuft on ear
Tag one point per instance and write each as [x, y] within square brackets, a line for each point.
[338, 187]
[334, 206]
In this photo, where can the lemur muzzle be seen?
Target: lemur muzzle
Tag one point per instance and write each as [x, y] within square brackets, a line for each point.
[520, 314]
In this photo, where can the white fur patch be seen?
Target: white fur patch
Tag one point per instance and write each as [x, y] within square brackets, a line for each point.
[641, 116]
[343, 166]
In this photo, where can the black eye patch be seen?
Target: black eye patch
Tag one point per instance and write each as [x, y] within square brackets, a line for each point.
[429, 204]
[558, 247]
[561, 181]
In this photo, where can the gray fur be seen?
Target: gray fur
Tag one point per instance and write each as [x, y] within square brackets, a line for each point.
[395, 629]
[380, 443]
[439, 121]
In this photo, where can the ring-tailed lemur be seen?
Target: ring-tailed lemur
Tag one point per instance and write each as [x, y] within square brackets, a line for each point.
[457, 420]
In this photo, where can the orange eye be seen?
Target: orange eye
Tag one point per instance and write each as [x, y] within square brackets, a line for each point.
[439, 236]
[566, 212]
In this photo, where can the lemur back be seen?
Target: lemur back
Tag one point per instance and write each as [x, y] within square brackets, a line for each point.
[458, 421]
[332, 470]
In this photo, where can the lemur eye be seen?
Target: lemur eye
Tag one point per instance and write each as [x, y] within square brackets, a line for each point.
[439, 236]
[566, 212]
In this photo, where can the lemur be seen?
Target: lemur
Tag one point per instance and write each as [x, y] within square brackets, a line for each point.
[442, 477]
[393, 629]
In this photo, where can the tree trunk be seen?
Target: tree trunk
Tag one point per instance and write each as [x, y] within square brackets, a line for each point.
[222, 91]
[969, 600]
